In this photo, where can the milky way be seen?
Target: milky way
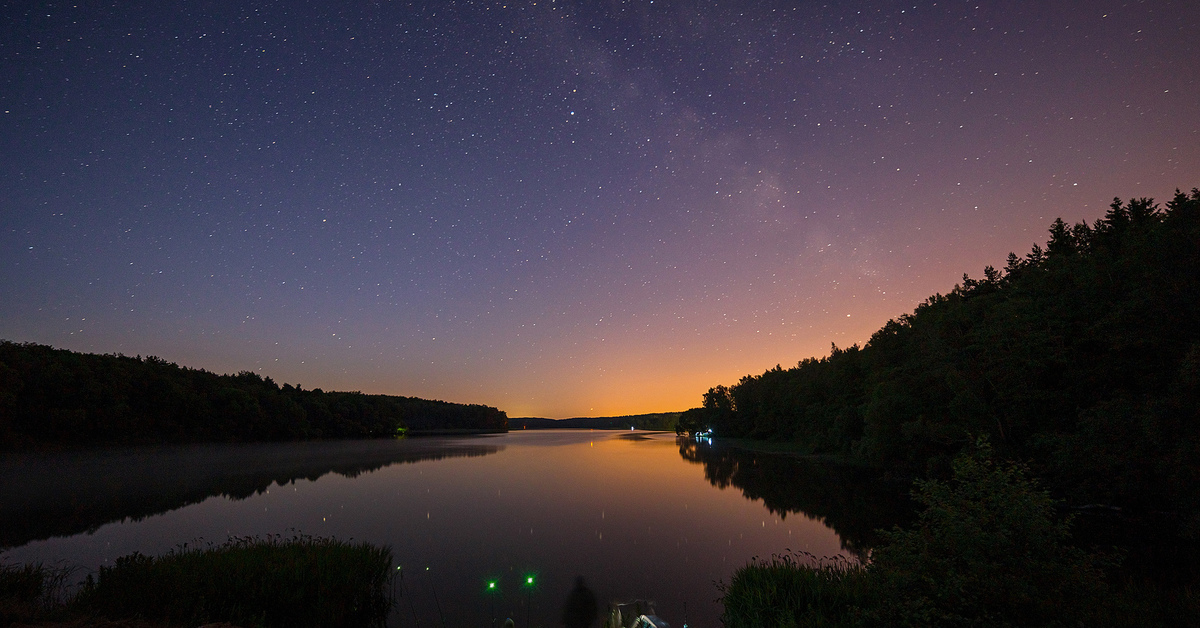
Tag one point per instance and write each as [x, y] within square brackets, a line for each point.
[556, 208]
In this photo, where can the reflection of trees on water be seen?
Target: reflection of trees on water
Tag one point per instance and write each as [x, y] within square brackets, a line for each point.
[66, 493]
[854, 501]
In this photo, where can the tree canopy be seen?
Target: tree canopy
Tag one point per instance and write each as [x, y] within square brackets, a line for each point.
[1082, 357]
[50, 395]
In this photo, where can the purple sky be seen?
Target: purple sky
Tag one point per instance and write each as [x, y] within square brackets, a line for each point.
[557, 208]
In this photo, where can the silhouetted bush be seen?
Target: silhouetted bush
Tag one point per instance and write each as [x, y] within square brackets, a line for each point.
[988, 549]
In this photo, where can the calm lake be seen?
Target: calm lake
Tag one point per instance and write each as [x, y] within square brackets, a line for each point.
[637, 514]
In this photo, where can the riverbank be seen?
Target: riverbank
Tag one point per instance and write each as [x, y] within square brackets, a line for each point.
[297, 581]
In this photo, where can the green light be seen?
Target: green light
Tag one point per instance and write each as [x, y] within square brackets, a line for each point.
[529, 580]
[492, 584]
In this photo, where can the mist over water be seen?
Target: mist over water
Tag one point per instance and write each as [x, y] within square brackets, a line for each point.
[638, 515]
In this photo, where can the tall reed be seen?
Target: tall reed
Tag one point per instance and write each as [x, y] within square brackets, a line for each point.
[252, 582]
[32, 592]
[794, 590]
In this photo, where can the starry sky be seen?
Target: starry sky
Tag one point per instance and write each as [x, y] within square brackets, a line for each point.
[558, 208]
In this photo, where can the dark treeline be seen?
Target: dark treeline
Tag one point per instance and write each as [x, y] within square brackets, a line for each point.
[52, 395]
[664, 421]
[1082, 358]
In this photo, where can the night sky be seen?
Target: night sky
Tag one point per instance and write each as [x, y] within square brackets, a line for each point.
[557, 208]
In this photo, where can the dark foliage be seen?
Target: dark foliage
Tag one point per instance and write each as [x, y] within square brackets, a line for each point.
[987, 549]
[251, 582]
[31, 592]
[1082, 358]
[52, 395]
[793, 591]
[301, 581]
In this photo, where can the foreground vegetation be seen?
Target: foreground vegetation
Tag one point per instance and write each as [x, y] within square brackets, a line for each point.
[988, 549]
[301, 581]
[52, 395]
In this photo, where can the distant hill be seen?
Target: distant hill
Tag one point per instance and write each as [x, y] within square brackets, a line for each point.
[657, 421]
[50, 395]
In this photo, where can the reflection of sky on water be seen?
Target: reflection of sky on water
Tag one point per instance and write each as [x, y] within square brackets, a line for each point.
[49, 494]
[629, 515]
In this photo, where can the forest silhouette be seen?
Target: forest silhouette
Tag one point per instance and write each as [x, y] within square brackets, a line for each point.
[50, 395]
[1081, 358]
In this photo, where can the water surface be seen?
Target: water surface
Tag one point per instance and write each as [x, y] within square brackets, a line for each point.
[638, 515]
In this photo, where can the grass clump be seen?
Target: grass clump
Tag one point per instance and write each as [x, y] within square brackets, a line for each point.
[31, 592]
[792, 591]
[251, 582]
